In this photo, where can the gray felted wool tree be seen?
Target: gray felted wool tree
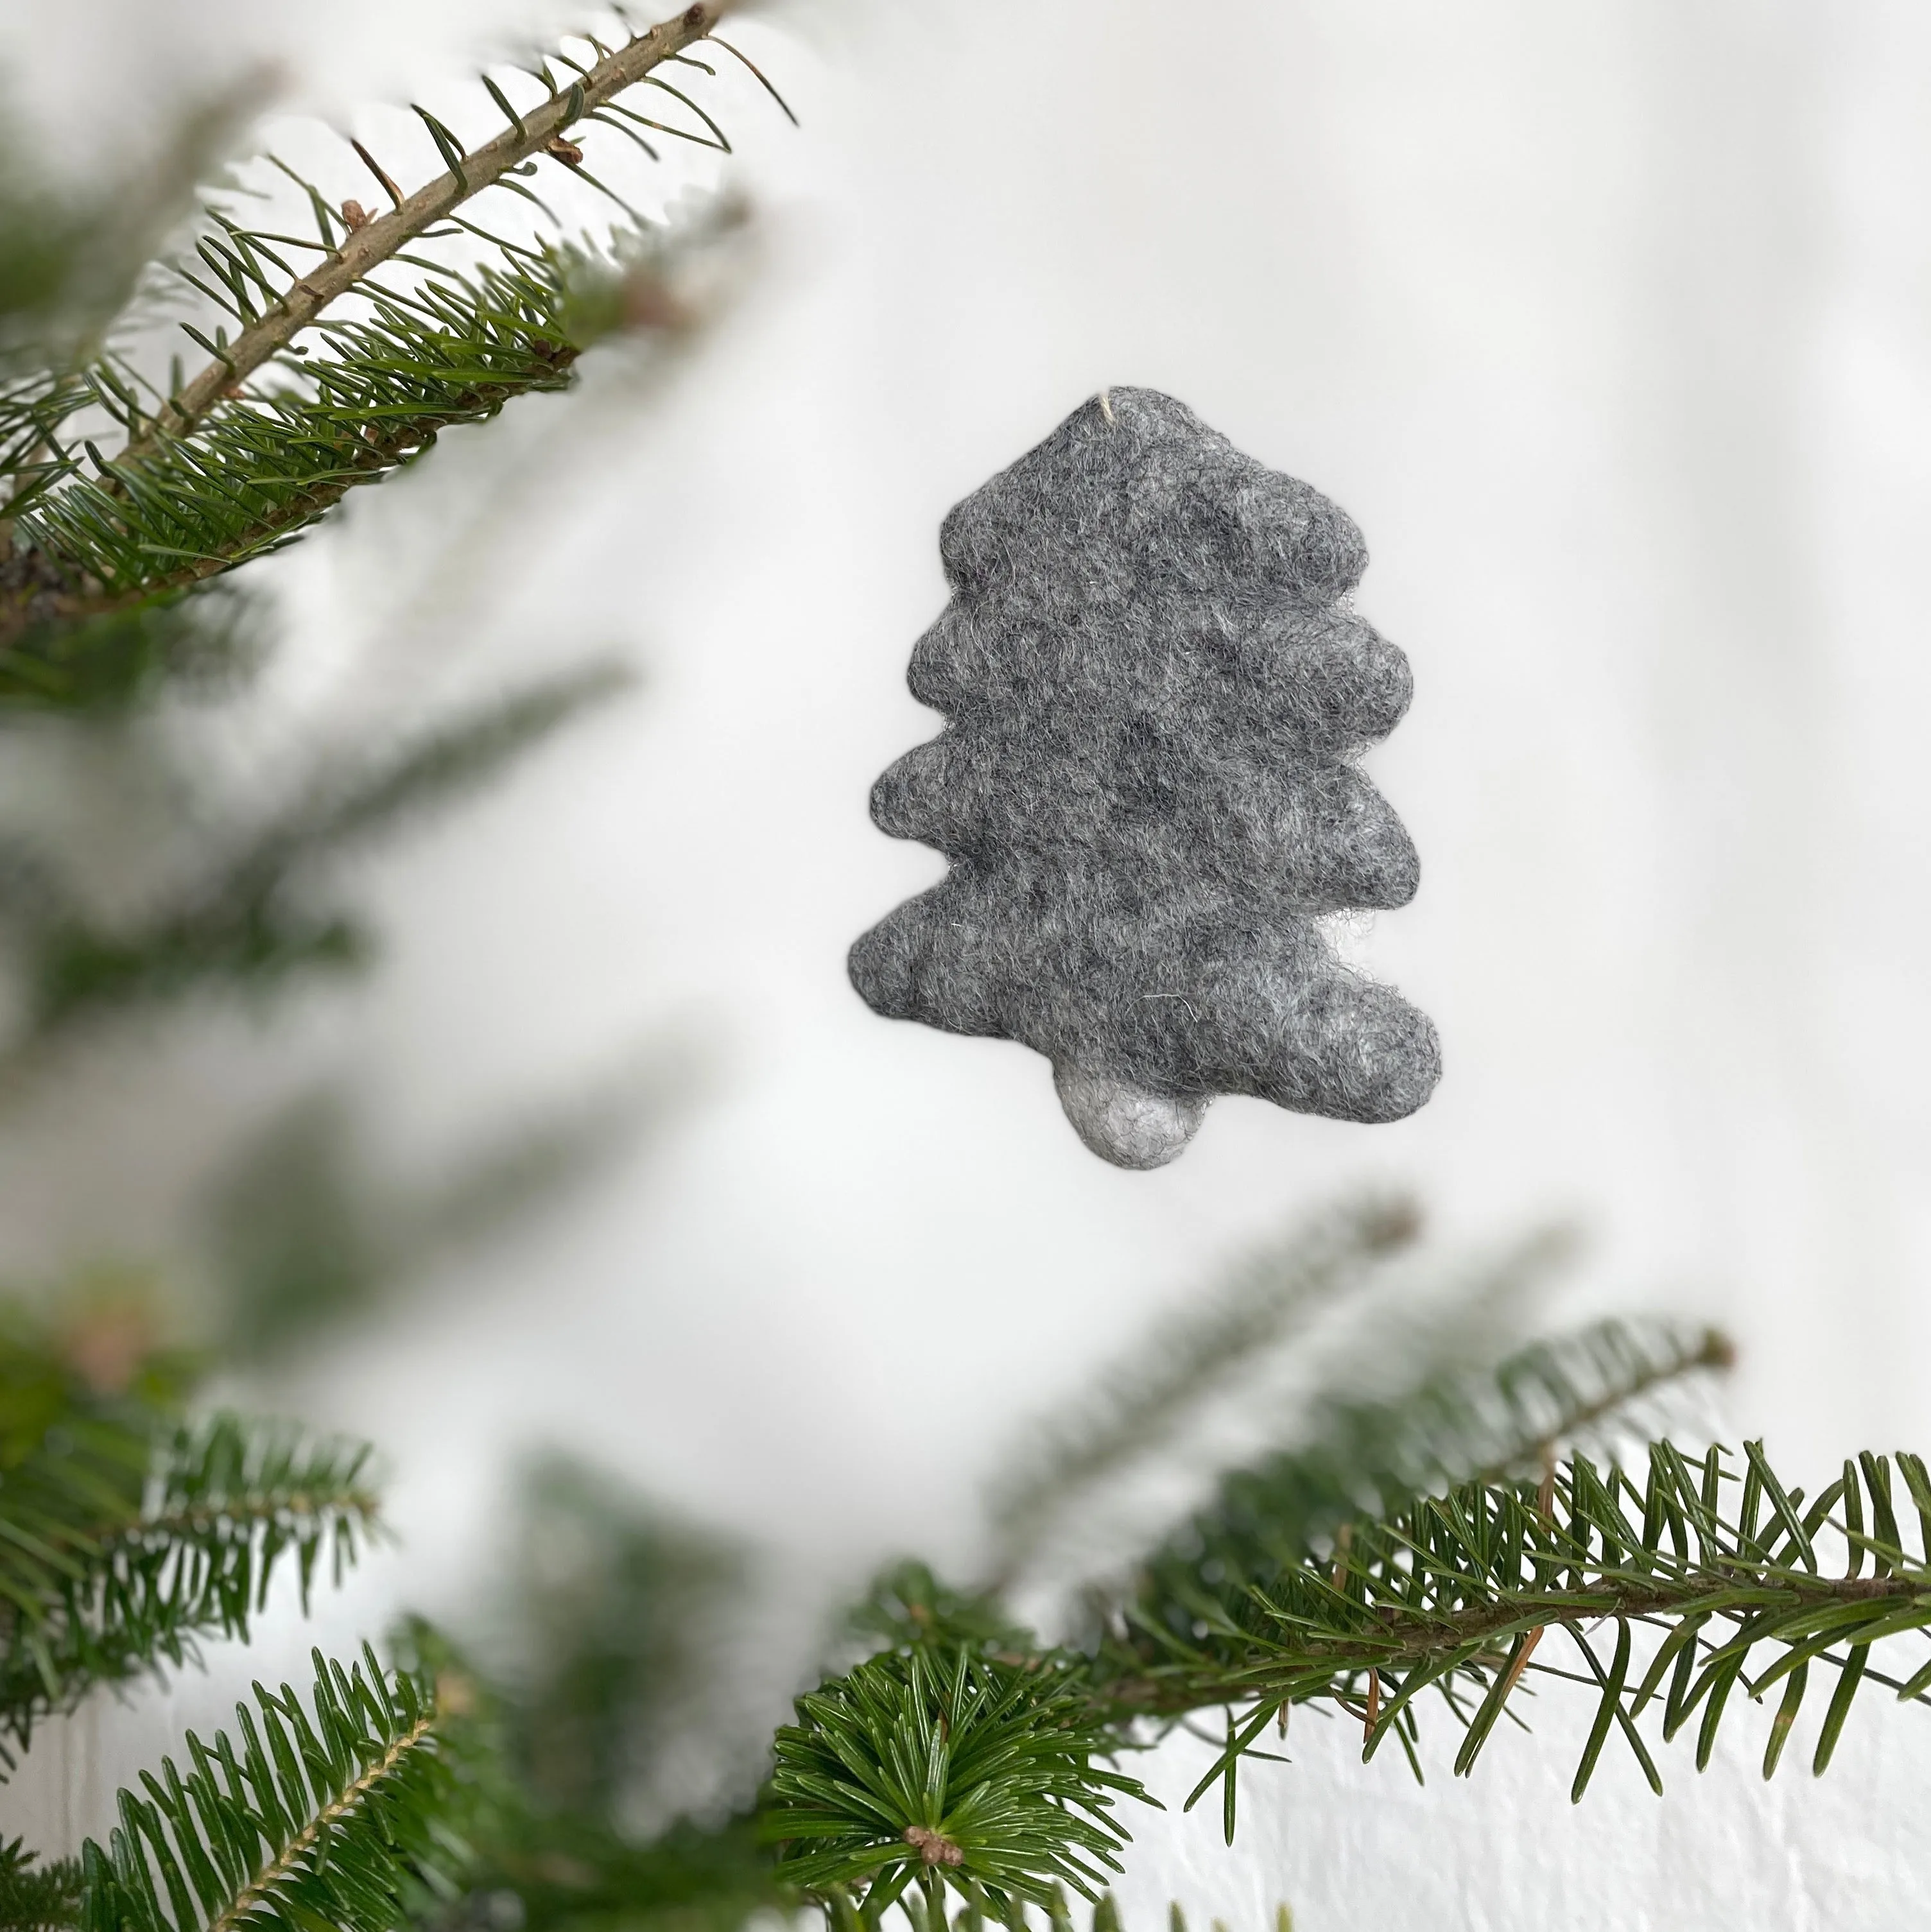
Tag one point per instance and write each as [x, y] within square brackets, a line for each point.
[1156, 691]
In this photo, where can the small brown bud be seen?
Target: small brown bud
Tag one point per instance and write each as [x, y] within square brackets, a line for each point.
[934, 1847]
[355, 215]
[455, 1693]
[106, 1347]
[565, 151]
[650, 302]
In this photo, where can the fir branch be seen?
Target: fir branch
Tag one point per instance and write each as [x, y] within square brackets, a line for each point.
[256, 474]
[1487, 1426]
[1454, 1593]
[304, 1235]
[562, 1872]
[36, 1897]
[908, 1607]
[618, 1604]
[446, 763]
[251, 923]
[1274, 1293]
[346, 1813]
[551, 1854]
[70, 260]
[366, 248]
[119, 1552]
[950, 1770]
[223, 468]
[979, 1914]
[105, 664]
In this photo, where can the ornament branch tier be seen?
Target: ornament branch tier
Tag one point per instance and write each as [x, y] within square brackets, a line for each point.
[1156, 692]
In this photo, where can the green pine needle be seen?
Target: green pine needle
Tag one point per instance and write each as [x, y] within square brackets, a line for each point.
[952, 1771]
[1454, 1593]
[119, 489]
[1501, 1422]
[342, 1814]
[270, 461]
[36, 1897]
[121, 1548]
[248, 925]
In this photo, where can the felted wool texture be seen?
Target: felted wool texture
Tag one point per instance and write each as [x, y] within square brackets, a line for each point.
[1156, 689]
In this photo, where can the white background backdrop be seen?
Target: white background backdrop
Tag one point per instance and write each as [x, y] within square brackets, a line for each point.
[1610, 325]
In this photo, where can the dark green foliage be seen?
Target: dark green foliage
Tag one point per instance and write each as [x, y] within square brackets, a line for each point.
[952, 1770]
[125, 487]
[127, 1535]
[1366, 1568]
[448, 761]
[36, 1897]
[307, 1233]
[258, 917]
[262, 468]
[102, 665]
[70, 261]
[615, 1606]
[616, 1633]
[978, 1915]
[1274, 1293]
[908, 1605]
[1373, 1457]
[1450, 1540]
[1711, 1558]
[96, 1363]
[292, 1251]
[613, 1614]
[124, 491]
[124, 1541]
[243, 934]
[574, 1874]
[346, 1812]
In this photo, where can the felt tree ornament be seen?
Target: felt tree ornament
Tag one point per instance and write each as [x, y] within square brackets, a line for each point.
[1156, 691]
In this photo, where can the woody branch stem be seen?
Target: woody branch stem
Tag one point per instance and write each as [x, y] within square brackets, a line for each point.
[367, 248]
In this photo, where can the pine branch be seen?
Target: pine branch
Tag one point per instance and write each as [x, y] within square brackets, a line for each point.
[305, 1235]
[223, 468]
[447, 762]
[255, 474]
[70, 260]
[1490, 1426]
[36, 1897]
[617, 1603]
[120, 1551]
[908, 1607]
[250, 924]
[1455, 1593]
[979, 1913]
[1275, 1293]
[364, 249]
[104, 665]
[551, 1855]
[950, 1772]
[1458, 1594]
[346, 1813]
[1371, 1569]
